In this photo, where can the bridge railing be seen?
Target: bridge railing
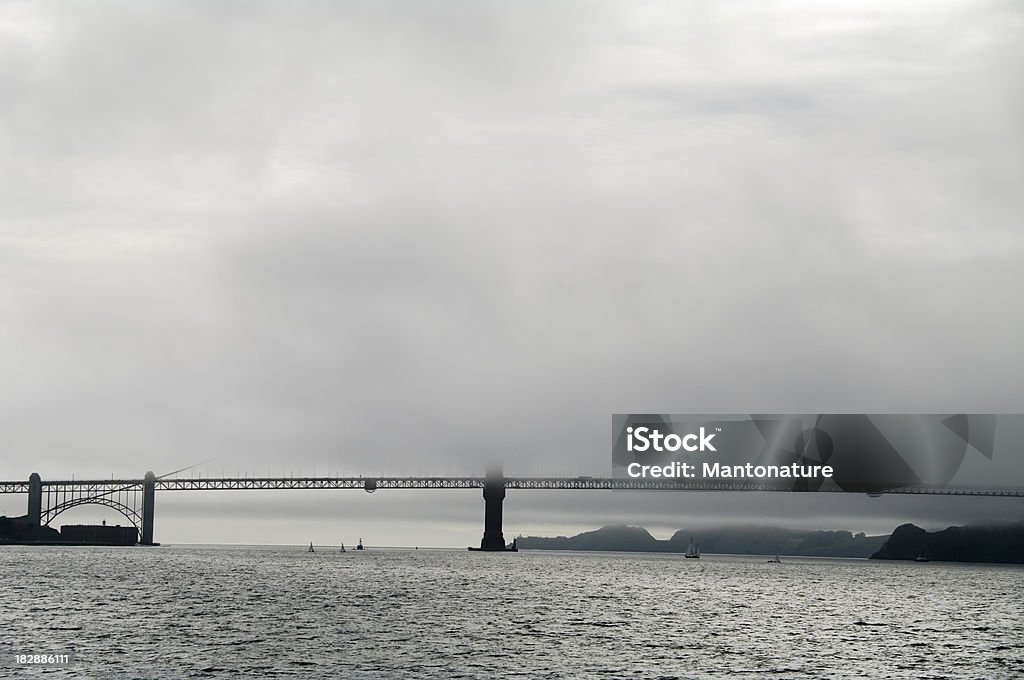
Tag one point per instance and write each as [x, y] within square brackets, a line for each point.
[101, 487]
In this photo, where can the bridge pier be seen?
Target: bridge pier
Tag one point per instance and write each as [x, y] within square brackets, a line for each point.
[148, 496]
[35, 499]
[494, 496]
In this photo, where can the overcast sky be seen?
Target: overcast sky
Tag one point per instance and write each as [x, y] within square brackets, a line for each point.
[406, 238]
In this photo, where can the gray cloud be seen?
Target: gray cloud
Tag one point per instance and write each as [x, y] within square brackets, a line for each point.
[383, 239]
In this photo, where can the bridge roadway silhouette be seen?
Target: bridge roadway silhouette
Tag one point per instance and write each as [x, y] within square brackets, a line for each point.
[135, 498]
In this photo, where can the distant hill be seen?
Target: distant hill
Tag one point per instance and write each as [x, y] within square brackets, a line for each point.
[730, 540]
[618, 537]
[1000, 543]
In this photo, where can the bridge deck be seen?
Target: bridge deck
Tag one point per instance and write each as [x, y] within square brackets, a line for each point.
[551, 483]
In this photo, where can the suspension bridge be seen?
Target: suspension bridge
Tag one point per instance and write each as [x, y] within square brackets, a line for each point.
[135, 498]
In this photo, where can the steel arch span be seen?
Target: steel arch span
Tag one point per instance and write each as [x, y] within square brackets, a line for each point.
[129, 513]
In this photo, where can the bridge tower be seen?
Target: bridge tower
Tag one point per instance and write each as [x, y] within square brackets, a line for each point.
[494, 496]
[35, 499]
[148, 496]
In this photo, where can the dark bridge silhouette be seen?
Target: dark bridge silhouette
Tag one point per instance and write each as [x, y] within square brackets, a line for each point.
[134, 498]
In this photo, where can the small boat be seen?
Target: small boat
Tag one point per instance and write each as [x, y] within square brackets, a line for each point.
[359, 546]
[922, 557]
[693, 551]
[310, 548]
[342, 548]
[775, 560]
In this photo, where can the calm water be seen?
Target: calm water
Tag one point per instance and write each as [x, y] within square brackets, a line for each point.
[174, 612]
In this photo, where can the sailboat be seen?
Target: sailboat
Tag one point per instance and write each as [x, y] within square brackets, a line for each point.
[359, 546]
[693, 552]
[310, 548]
[775, 560]
[342, 548]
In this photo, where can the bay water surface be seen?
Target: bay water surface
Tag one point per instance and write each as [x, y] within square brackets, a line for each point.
[278, 612]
